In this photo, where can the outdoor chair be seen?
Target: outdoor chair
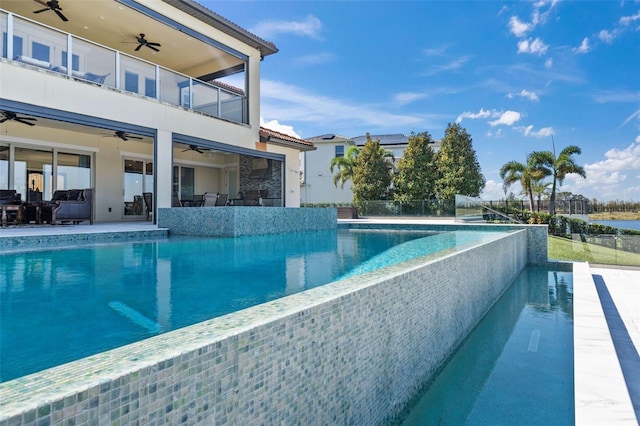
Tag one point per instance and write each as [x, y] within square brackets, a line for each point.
[175, 200]
[222, 200]
[210, 199]
[198, 201]
[148, 203]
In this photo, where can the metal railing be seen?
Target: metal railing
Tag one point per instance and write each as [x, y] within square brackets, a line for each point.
[44, 47]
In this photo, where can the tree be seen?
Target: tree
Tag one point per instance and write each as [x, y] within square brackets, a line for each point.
[540, 188]
[527, 174]
[416, 174]
[559, 167]
[371, 172]
[344, 166]
[458, 168]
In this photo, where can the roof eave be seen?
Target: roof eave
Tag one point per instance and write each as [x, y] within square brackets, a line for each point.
[213, 19]
[288, 144]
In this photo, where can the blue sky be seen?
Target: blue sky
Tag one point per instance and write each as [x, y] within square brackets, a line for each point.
[512, 73]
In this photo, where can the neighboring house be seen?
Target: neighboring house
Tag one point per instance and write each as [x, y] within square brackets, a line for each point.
[317, 181]
[136, 96]
[316, 185]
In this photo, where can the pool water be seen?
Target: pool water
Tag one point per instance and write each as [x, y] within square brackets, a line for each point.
[64, 304]
[516, 367]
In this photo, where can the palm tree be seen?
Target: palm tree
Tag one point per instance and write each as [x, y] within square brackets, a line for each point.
[559, 167]
[527, 174]
[344, 166]
[540, 188]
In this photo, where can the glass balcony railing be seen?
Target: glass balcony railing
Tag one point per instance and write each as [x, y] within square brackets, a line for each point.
[35, 44]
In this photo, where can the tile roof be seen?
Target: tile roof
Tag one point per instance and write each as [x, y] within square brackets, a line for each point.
[268, 135]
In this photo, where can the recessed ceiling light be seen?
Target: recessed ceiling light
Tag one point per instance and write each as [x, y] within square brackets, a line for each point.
[85, 27]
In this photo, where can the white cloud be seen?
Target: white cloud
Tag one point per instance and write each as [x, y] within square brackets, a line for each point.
[616, 96]
[607, 36]
[405, 98]
[295, 104]
[548, 63]
[519, 28]
[524, 94]
[495, 134]
[507, 118]
[533, 46]
[435, 51]
[483, 113]
[605, 179]
[626, 20]
[452, 65]
[310, 27]
[276, 126]
[315, 59]
[529, 132]
[584, 46]
[493, 190]
[635, 115]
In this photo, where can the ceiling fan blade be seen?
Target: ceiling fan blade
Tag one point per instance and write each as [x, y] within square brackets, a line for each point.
[41, 10]
[135, 137]
[154, 44]
[3, 120]
[20, 120]
[152, 48]
[64, 18]
[138, 48]
[41, 2]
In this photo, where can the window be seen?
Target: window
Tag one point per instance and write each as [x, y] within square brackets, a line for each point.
[74, 171]
[149, 87]
[4, 167]
[17, 45]
[131, 82]
[339, 150]
[75, 61]
[184, 182]
[40, 51]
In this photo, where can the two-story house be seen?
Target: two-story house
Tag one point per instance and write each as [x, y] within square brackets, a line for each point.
[317, 183]
[136, 96]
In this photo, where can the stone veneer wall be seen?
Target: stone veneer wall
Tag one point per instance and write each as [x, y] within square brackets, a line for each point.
[352, 352]
[238, 220]
[272, 182]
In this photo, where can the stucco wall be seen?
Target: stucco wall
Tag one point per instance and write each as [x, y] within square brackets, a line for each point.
[351, 352]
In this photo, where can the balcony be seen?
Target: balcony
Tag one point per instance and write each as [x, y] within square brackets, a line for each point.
[44, 47]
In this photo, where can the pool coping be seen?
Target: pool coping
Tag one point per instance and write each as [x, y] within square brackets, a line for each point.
[601, 394]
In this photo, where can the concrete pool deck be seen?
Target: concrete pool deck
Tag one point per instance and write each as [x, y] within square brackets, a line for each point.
[606, 318]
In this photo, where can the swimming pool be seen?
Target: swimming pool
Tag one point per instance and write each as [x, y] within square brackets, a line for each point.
[516, 367]
[60, 305]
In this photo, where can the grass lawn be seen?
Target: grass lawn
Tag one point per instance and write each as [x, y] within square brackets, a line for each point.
[615, 216]
[564, 249]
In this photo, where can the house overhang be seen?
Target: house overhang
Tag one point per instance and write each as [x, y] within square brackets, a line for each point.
[116, 24]
[213, 19]
[281, 139]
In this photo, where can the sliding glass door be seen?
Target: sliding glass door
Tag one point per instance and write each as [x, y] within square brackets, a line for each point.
[138, 178]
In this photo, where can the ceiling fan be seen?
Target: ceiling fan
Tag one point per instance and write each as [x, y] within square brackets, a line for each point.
[143, 42]
[123, 135]
[51, 5]
[195, 148]
[10, 115]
